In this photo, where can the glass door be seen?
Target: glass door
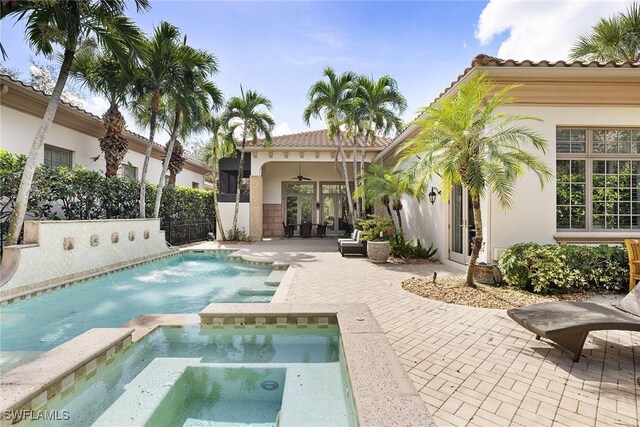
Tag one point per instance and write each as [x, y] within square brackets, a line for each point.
[333, 208]
[298, 203]
[461, 225]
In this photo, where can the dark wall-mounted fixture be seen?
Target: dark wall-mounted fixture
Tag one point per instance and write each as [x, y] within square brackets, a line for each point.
[317, 205]
[432, 194]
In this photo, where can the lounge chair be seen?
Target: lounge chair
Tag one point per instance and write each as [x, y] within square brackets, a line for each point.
[568, 323]
[633, 249]
[352, 247]
[353, 238]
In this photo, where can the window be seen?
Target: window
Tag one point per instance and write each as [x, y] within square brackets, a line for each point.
[195, 184]
[228, 184]
[55, 157]
[598, 179]
[129, 172]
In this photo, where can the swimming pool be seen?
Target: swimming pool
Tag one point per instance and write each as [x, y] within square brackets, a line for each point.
[183, 283]
[200, 375]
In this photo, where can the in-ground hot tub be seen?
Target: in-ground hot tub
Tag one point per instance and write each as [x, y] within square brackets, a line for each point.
[242, 364]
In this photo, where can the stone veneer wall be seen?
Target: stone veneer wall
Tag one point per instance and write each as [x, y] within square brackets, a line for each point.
[272, 220]
[55, 251]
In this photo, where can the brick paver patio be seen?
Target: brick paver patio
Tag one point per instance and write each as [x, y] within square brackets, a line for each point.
[472, 366]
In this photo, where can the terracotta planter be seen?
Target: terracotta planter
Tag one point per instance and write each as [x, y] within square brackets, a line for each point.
[484, 273]
[378, 252]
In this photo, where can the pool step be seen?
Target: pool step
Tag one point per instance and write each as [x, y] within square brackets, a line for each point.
[275, 277]
[191, 422]
[256, 292]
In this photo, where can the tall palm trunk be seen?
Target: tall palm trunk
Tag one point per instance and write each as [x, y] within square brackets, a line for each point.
[113, 144]
[239, 182]
[363, 200]
[22, 199]
[397, 207]
[216, 209]
[147, 154]
[355, 175]
[477, 239]
[346, 177]
[167, 159]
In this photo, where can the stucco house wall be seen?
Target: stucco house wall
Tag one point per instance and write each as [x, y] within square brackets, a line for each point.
[558, 99]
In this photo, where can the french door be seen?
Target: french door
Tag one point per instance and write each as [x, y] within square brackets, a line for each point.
[462, 227]
[298, 202]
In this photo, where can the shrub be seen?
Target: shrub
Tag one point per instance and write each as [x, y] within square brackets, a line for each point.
[377, 228]
[403, 249]
[555, 269]
[237, 235]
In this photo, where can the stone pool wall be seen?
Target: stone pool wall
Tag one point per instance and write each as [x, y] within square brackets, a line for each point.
[59, 251]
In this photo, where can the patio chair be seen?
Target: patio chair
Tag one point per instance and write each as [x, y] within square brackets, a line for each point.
[353, 238]
[321, 229]
[288, 230]
[633, 249]
[305, 229]
[568, 323]
[353, 247]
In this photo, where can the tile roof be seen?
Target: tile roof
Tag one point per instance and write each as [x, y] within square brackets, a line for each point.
[87, 113]
[484, 61]
[317, 139]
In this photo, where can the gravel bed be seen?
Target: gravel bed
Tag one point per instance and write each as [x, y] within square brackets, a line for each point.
[452, 290]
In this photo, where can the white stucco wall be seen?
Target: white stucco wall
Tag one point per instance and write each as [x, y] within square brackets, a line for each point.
[44, 260]
[227, 209]
[533, 213]
[18, 129]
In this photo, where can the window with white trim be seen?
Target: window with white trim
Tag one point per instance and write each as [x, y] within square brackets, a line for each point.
[55, 157]
[129, 172]
[597, 179]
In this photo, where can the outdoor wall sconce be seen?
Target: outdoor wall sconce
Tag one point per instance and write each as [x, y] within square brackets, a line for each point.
[317, 205]
[432, 194]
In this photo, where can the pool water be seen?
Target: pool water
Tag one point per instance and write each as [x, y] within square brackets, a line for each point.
[205, 376]
[184, 283]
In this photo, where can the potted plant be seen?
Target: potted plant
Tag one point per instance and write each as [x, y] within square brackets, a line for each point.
[377, 231]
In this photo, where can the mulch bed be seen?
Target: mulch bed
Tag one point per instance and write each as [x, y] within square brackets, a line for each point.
[453, 290]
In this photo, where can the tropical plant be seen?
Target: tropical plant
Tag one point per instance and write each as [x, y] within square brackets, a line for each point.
[377, 228]
[176, 161]
[67, 24]
[383, 184]
[103, 74]
[616, 38]
[156, 71]
[331, 100]
[221, 146]
[191, 97]
[249, 114]
[380, 103]
[466, 141]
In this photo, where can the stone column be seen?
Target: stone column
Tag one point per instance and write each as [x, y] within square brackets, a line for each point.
[255, 207]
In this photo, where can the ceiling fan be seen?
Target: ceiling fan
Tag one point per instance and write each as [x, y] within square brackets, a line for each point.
[300, 177]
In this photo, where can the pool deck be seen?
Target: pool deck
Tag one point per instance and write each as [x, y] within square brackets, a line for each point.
[471, 366]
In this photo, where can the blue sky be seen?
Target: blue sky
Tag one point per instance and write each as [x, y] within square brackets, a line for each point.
[281, 48]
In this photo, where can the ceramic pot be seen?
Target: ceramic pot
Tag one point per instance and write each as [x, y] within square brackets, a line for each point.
[378, 252]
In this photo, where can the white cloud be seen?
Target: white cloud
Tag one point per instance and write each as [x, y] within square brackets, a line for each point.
[282, 128]
[541, 29]
[97, 105]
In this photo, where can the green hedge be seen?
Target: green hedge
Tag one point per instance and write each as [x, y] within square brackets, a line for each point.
[549, 269]
[83, 194]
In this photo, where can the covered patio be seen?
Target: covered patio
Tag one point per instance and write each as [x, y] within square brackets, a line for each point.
[472, 366]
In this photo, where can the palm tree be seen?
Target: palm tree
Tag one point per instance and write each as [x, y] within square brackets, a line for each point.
[176, 161]
[466, 141]
[354, 131]
[192, 96]
[612, 39]
[331, 101]
[103, 74]
[221, 146]
[383, 184]
[67, 24]
[247, 113]
[156, 71]
[381, 103]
